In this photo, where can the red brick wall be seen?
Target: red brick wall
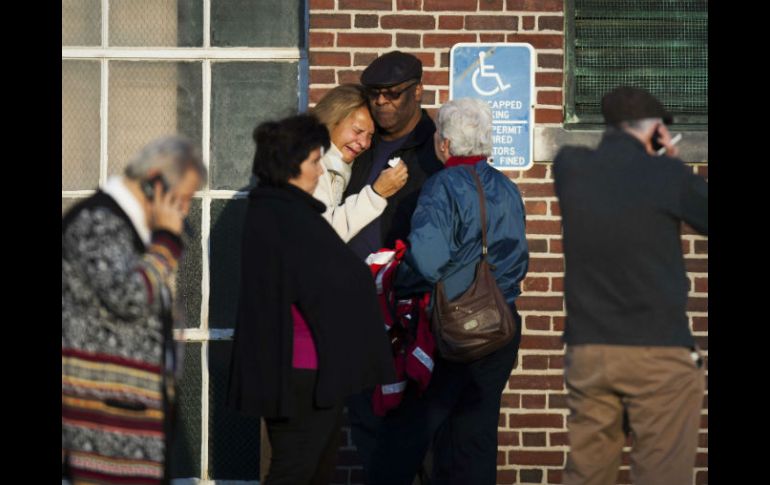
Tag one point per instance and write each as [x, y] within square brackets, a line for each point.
[345, 35]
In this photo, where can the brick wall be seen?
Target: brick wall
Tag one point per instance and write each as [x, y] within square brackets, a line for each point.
[345, 35]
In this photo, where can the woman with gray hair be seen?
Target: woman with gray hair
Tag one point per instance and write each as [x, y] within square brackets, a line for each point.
[459, 410]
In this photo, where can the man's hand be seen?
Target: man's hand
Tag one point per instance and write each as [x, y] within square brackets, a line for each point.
[664, 138]
[166, 211]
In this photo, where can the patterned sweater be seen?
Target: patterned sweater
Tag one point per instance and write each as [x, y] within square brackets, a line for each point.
[116, 343]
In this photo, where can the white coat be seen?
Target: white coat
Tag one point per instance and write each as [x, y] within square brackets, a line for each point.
[347, 217]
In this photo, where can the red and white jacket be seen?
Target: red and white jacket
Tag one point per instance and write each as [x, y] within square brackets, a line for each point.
[408, 326]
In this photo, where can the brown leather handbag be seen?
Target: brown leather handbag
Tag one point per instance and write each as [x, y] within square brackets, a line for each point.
[479, 321]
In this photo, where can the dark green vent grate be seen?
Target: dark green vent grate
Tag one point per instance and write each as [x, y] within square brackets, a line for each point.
[658, 45]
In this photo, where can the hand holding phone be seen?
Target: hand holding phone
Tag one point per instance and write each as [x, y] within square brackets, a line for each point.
[655, 141]
[165, 212]
[674, 141]
[148, 186]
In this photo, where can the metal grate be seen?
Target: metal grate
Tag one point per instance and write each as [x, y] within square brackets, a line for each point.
[81, 22]
[658, 45]
[188, 281]
[266, 23]
[80, 125]
[186, 445]
[148, 100]
[243, 95]
[156, 23]
[227, 218]
[233, 438]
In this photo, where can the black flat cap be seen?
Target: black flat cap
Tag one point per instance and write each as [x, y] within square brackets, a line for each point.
[391, 69]
[626, 103]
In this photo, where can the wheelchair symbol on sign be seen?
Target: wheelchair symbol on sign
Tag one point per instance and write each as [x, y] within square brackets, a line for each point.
[485, 70]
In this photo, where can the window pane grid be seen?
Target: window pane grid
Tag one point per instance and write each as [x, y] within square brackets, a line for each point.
[156, 23]
[148, 69]
[80, 124]
[148, 100]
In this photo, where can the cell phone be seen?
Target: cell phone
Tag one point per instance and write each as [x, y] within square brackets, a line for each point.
[148, 186]
[655, 143]
[674, 141]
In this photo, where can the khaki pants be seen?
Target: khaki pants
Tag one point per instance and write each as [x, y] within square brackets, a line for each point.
[661, 391]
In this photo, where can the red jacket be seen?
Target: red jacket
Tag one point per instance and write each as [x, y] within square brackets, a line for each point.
[412, 344]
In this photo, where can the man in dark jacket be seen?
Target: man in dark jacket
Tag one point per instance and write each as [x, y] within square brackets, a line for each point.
[629, 347]
[404, 130]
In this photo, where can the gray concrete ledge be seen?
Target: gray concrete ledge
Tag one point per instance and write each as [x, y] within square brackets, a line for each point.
[693, 148]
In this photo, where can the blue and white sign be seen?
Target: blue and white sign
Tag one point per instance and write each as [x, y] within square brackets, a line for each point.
[503, 75]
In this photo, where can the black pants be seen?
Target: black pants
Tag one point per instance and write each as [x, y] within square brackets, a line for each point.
[458, 414]
[364, 425]
[304, 447]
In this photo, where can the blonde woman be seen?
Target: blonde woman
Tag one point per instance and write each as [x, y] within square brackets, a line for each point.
[345, 113]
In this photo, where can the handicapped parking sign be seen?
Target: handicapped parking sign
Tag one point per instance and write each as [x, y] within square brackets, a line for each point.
[503, 75]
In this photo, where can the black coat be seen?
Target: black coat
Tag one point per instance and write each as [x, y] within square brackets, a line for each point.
[622, 210]
[419, 155]
[292, 255]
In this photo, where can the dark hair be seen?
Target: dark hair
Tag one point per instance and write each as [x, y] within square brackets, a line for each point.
[283, 145]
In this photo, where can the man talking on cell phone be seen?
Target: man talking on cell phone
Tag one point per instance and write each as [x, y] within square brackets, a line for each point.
[120, 251]
[630, 352]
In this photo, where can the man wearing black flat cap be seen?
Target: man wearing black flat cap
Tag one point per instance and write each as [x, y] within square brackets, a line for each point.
[404, 130]
[631, 361]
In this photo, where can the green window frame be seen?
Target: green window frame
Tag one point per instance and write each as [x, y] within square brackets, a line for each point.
[659, 45]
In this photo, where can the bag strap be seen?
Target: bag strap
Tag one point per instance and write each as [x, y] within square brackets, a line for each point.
[483, 207]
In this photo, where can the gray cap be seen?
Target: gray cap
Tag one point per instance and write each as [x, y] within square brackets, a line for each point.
[626, 103]
[391, 69]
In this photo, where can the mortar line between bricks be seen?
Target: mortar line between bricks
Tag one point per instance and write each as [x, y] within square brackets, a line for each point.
[537, 373]
[543, 313]
[544, 352]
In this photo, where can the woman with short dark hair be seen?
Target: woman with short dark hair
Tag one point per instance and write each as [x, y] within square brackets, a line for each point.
[298, 351]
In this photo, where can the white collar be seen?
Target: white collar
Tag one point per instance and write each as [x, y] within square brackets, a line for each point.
[116, 188]
[333, 162]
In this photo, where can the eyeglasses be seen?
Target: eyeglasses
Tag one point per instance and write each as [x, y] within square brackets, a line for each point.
[374, 93]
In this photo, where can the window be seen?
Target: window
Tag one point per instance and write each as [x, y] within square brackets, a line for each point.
[659, 45]
[210, 70]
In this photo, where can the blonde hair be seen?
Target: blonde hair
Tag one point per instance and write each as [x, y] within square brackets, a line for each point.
[339, 103]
